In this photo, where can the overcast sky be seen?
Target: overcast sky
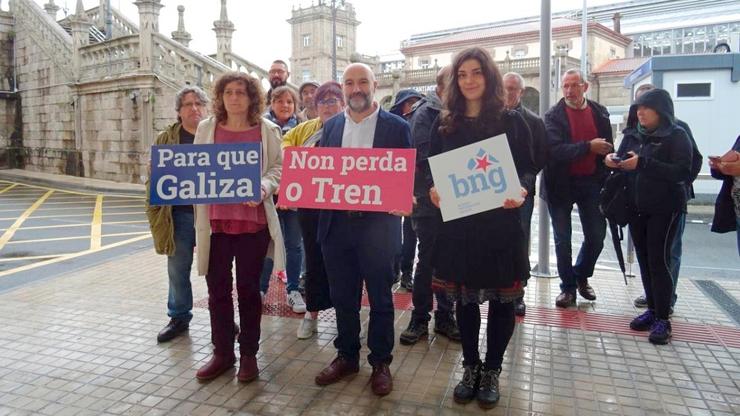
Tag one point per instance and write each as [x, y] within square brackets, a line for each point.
[262, 33]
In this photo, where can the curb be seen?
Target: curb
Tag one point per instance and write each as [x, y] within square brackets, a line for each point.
[73, 183]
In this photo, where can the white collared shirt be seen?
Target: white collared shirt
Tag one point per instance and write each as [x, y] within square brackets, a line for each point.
[360, 135]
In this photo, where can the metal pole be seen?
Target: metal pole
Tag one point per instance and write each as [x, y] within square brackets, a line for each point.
[334, 40]
[584, 41]
[543, 262]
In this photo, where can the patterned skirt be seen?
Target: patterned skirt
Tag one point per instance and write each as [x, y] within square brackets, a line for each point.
[466, 295]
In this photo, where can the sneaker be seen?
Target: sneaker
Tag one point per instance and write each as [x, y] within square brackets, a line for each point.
[295, 300]
[467, 388]
[447, 326]
[307, 327]
[644, 321]
[407, 282]
[488, 393]
[415, 331]
[660, 333]
[640, 302]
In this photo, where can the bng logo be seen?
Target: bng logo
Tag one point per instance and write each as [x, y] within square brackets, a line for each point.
[484, 176]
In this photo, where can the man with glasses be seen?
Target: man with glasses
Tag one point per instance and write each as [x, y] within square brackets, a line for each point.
[278, 75]
[579, 135]
[172, 226]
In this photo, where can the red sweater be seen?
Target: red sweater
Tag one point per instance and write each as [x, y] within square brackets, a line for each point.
[582, 129]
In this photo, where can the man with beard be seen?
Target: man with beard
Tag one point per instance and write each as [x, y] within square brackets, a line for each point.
[514, 88]
[278, 77]
[360, 246]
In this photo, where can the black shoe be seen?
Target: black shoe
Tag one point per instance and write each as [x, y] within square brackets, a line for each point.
[640, 302]
[519, 307]
[172, 330]
[488, 393]
[467, 388]
[407, 282]
[447, 326]
[415, 331]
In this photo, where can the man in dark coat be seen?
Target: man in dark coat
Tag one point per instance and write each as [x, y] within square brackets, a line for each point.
[360, 246]
[426, 219]
[579, 133]
[514, 88]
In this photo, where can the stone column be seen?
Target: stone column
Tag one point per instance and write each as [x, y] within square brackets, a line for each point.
[51, 9]
[80, 36]
[224, 30]
[148, 25]
[180, 35]
[102, 10]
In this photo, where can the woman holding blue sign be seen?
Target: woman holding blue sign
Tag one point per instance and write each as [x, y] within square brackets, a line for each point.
[481, 257]
[241, 232]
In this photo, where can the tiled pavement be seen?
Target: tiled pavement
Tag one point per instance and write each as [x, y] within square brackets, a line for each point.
[84, 343]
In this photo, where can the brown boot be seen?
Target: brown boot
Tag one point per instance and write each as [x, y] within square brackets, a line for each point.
[338, 369]
[381, 381]
[248, 370]
[216, 366]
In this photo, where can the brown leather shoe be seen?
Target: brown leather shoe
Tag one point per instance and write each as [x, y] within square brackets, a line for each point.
[216, 366]
[338, 369]
[585, 290]
[248, 370]
[565, 300]
[381, 380]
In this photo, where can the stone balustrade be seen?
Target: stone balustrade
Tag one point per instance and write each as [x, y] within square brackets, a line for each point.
[179, 64]
[122, 26]
[46, 33]
[114, 57]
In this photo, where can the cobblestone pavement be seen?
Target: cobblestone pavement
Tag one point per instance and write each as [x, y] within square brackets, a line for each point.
[85, 343]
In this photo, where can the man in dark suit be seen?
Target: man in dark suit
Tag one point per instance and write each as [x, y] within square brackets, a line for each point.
[514, 88]
[361, 246]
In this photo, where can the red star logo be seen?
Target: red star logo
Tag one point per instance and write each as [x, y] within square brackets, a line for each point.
[483, 163]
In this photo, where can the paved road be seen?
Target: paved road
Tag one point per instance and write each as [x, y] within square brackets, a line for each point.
[44, 231]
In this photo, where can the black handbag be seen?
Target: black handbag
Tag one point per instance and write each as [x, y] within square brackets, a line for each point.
[613, 199]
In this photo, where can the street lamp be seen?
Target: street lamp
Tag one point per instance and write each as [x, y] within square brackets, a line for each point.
[335, 4]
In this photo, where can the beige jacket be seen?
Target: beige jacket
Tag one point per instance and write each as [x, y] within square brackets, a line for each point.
[272, 167]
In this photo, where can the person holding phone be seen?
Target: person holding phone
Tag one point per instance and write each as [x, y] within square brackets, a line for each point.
[655, 154]
[727, 206]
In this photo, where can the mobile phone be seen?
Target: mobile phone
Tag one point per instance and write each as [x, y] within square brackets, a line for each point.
[616, 159]
[716, 158]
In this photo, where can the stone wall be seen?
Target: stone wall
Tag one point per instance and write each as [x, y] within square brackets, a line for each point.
[7, 97]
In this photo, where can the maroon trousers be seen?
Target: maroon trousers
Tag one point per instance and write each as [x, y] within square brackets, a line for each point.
[249, 251]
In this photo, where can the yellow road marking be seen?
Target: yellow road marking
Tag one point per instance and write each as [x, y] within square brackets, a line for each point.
[76, 237]
[76, 215]
[82, 224]
[8, 188]
[11, 259]
[71, 256]
[8, 234]
[96, 228]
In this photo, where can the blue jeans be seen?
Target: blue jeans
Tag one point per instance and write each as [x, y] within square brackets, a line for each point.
[585, 192]
[291, 228]
[180, 296]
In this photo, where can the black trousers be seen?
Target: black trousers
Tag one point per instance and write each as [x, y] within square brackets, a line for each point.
[653, 236]
[500, 328]
[426, 229]
[317, 284]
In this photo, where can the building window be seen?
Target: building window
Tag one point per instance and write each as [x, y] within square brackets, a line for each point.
[339, 76]
[340, 41]
[424, 63]
[306, 41]
[306, 75]
[519, 52]
[694, 90]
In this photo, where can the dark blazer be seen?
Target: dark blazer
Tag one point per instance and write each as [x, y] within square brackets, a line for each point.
[724, 208]
[391, 132]
[563, 151]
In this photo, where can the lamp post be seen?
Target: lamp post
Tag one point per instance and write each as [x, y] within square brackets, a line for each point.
[335, 4]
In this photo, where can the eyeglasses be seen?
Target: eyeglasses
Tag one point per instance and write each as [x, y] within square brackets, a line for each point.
[328, 101]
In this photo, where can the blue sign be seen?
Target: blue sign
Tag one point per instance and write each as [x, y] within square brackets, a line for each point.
[187, 174]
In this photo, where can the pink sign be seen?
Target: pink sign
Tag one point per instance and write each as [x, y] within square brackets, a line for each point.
[348, 179]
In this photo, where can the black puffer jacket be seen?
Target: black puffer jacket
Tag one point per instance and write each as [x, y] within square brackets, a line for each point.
[658, 184]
